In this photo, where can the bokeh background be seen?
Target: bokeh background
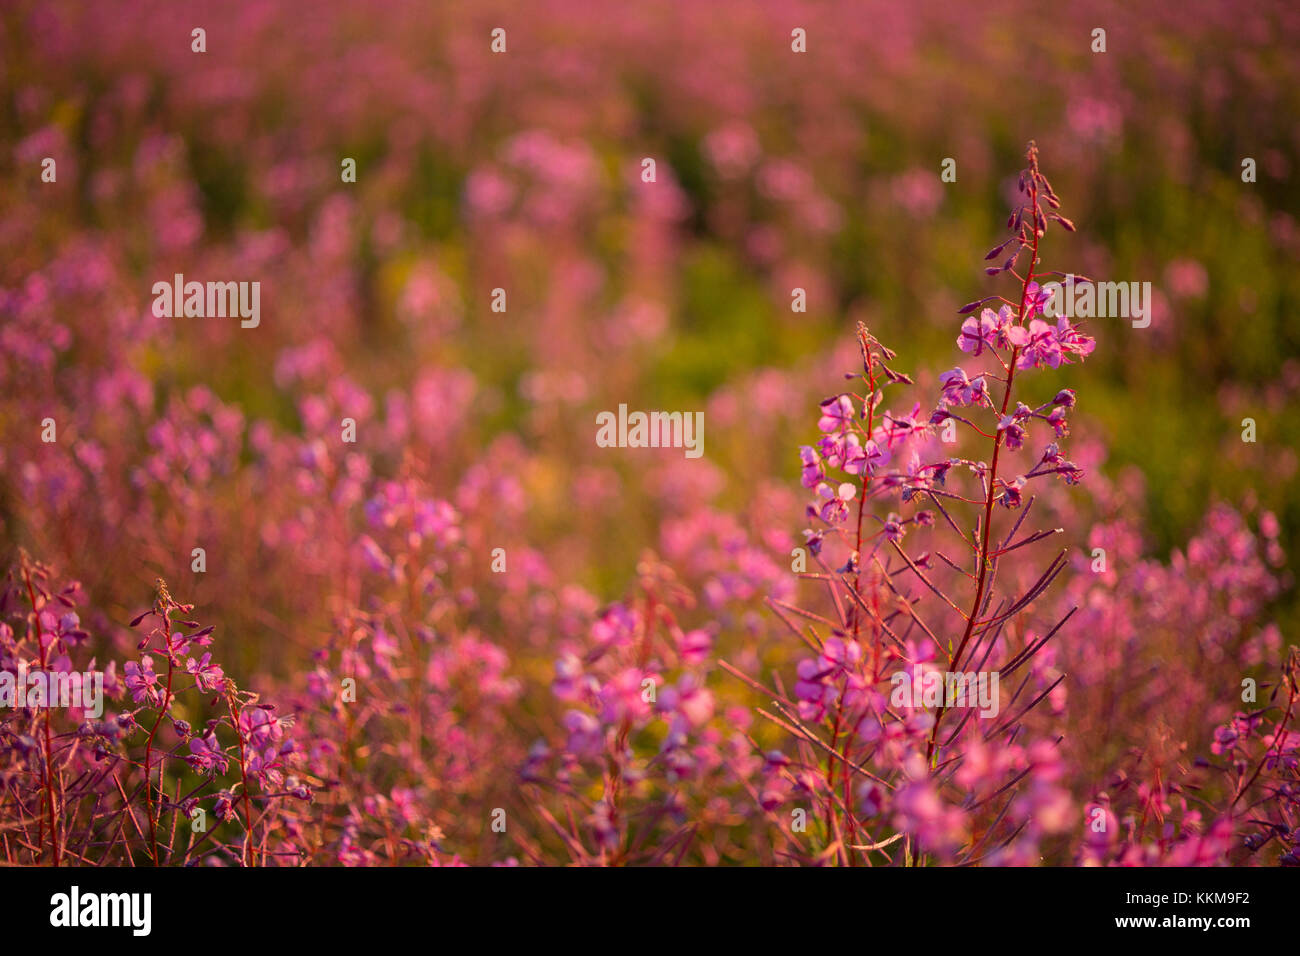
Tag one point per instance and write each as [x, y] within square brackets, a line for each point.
[521, 171]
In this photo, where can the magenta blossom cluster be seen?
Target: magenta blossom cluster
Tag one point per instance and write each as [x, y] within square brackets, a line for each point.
[187, 768]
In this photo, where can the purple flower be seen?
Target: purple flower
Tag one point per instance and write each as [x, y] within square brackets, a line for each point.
[835, 501]
[586, 739]
[839, 654]
[837, 414]
[862, 459]
[1225, 737]
[207, 676]
[954, 384]
[811, 691]
[1040, 346]
[976, 332]
[694, 646]
[259, 726]
[1012, 433]
[141, 681]
[1036, 299]
[570, 683]
[206, 756]
[832, 450]
[1053, 345]
[1072, 341]
[1058, 422]
[1011, 492]
[224, 808]
[812, 469]
[960, 390]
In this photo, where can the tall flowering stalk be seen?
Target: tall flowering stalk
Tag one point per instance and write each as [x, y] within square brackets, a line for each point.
[85, 774]
[47, 763]
[1037, 345]
[261, 750]
[865, 711]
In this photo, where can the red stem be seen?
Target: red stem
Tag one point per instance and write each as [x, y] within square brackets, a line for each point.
[49, 749]
[862, 499]
[243, 776]
[148, 747]
[993, 475]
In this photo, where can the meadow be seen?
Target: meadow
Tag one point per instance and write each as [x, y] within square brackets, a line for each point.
[378, 569]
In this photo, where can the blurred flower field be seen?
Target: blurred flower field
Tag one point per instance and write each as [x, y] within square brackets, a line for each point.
[459, 630]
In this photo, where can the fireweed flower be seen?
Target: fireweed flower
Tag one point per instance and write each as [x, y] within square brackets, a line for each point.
[1012, 434]
[224, 807]
[206, 756]
[207, 676]
[1036, 299]
[141, 681]
[835, 501]
[259, 726]
[687, 703]
[695, 646]
[831, 448]
[1052, 346]
[812, 469]
[621, 698]
[570, 683]
[586, 737]
[976, 333]
[959, 390]
[813, 693]
[837, 414]
[860, 459]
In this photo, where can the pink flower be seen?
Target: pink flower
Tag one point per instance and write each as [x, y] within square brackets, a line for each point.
[259, 726]
[207, 676]
[1053, 345]
[142, 682]
[586, 738]
[1036, 299]
[976, 332]
[1072, 341]
[1040, 346]
[837, 414]
[959, 390]
[623, 697]
[206, 756]
[862, 459]
[835, 501]
[812, 469]
[694, 646]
